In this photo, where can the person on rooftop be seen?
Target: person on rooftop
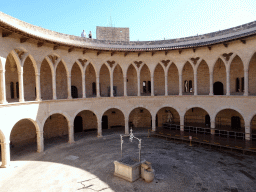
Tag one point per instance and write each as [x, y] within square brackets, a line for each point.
[83, 34]
[90, 35]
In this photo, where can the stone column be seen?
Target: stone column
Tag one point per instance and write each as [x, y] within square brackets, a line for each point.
[166, 84]
[3, 90]
[126, 121]
[228, 83]
[71, 133]
[54, 87]
[125, 86]
[98, 86]
[211, 83]
[21, 87]
[153, 123]
[180, 84]
[5, 153]
[83, 86]
[182, 123]
[195, 83]
[69, 87]
[213, 127]
[111, 84]
[152, 86]
[246, 86]
[38, 89]
[247, 133]
[40, 141]
[99, 127]
[138, 80]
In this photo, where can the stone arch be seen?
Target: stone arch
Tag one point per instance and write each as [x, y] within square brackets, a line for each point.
[219, 73]
[76, 80]
[90, 80]
[225, 121]
[62, 75]
[2, 136]
[167, 114]
[252, 123]
[173, 79]
[160, 63]
[236, 68]
[113, 117]
[57, 112]
[138, 117]
[196, 116]
[132, 84]
[159, 79]
[203, 78]
[145, 80]
[47, 73]
[252, 75]
[105, 73]
[118, 81]
[188, 76]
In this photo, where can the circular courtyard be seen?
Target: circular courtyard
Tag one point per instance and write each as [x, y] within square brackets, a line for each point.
[87, 165]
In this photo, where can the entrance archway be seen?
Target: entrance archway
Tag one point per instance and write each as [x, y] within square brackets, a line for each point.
[78, 124]
[168, 115]
[140, 118]
[113, 119]
[197, 117]
[218, 88]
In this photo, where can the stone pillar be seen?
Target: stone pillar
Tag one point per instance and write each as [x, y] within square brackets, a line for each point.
[213, 127]
[246, 89]
[180, 84]
[111, 84]
[211, 83]
[3, 90]
[153, 123]
[138, 80]
[228, 83]
[69, 87]
[195, 83]
[182, 123]
[54, 87]
[40, 141]
[98, 86]
[126, 121]
[71, 133]
[5, 153]
[166, 84]
[247, 133]
[125, 86]
[83, 86]
[152, 86]
[38, 89]
[21, 87]
[99, 127]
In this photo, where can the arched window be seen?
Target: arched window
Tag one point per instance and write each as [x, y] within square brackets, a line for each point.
[242, 84]
[12, 90]
[237, 85]
[149, 86]
[94, 88]
[74, 92]
[185, 86]
[144, 86]
[190, 86]
[17, 90]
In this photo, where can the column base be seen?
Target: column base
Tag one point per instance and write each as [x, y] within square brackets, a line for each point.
[211, 94]
[245, 94]
[3, 102]
[71, 142]
[99, 136]
[4, 166]
[38, 99]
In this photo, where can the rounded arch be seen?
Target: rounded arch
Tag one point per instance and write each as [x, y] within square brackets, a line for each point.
[113, 107]
[68, 118]
[139, 106]
[196, 115]
[81, 110]
[227, 107]
[165, 106]
[166, 114]
[113, 117]
[140, 117]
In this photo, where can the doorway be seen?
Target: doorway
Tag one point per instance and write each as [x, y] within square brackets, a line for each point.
[104, 123]
[235, 123]
[207, 121]
[218, 88]
[78, 124]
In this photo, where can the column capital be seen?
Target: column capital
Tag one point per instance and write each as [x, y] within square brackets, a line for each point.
[2, 71]
[5, 142]
[37, 74]
[20, 72]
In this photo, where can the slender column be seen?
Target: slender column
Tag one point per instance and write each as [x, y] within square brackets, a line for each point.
[71, 134]
[125, 86]
[213, 127]
[138, 80]
[195, 83]
[38, 89]
[180, 84]
[211, 83]
[54, 87]
[98, 86]
[152, 86]
[99, 127]
[153, 123]
[182, 123]
[126, 121]
[83, 86]
[3, 90]
[69, 87]
[40, 141]
[228, 83]
[246, 86]
[166, 84]
[21, 87]
[5, 153]
[247, 133]
[111, 85]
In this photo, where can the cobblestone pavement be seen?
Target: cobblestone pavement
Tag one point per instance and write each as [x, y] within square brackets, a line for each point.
[87, 165]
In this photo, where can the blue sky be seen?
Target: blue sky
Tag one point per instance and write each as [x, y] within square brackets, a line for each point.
[147, 19]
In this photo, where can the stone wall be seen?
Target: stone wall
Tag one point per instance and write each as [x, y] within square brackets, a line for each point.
[112, 33]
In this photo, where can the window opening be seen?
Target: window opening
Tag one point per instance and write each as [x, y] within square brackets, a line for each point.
[12, 90]
[190, 86]
[237, 85]
[242, 84]
[185, 86]
[17, 90]
[74, 92]
[144, 86]
[94, 88]
[149, 86]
